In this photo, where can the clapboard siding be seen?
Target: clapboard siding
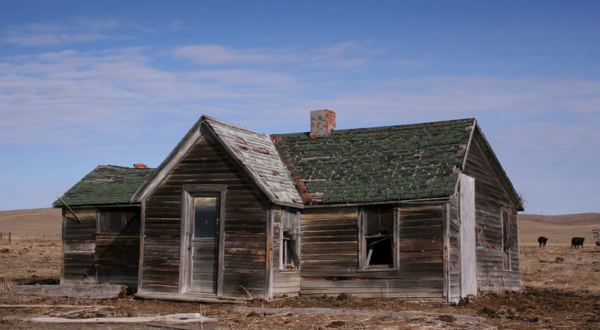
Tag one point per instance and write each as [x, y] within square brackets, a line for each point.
[244, 249]
[79, 246]
[329, 242]
[490, 199]
[330, 253]
[117, 259]
[89, 257]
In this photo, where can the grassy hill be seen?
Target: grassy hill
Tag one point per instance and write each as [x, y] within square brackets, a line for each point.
[558, 228]
[47, 221]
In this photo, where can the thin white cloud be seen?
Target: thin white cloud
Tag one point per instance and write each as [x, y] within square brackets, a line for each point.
[75, 30]
[85, 94]
[177, 25]
[344, 54]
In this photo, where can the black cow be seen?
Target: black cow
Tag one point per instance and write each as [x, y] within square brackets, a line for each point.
[542, 240]
[576, 242]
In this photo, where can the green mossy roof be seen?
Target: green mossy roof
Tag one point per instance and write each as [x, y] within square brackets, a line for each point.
[106, 184]
[378, 164]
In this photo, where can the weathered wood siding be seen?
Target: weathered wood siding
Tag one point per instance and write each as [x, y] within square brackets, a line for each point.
[117, 259]
[245, 224]
[286, 282]
[490, 197]
[330, 253]
[90, 258]
[79, 246]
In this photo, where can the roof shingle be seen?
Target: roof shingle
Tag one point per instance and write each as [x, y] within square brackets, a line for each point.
[378, 164]
[106, 184]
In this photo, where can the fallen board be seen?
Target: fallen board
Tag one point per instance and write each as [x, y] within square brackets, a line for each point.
[72, 291]
[172, 318]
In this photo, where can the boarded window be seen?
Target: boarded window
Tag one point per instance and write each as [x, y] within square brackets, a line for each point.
[290, 240]
[118, 222]
[377, 237]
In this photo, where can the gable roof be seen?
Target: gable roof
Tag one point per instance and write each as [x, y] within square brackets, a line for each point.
[253, 151]
[106, 185]
[378, 164]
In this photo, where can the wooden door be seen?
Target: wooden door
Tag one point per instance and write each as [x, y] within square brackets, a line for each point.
[203, 249]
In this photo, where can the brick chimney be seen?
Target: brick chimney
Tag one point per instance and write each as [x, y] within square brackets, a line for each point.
[322, 122]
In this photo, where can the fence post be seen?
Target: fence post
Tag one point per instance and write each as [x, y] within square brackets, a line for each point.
[9, 237]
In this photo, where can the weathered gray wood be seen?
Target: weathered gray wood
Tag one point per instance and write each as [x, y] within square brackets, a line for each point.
[468, 262]
[491, 197]
[73, 291]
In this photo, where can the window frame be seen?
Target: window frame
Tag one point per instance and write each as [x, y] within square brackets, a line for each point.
[101, 215]
[295, 237]
[362, 239]
[505, 220]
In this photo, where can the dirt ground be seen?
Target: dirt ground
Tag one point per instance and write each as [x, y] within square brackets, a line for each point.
[561, 290]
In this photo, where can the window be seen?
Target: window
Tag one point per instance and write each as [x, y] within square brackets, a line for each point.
[290, 240]
[206, 217]
[507, 239]
[118, 222]
[377, 237]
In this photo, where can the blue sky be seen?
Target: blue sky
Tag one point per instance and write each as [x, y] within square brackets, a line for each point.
[84, 83]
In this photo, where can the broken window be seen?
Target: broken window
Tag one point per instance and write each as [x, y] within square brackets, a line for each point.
[377, 237]
[118, 222]
[290, 240]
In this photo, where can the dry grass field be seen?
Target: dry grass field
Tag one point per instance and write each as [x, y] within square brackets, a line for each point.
[24, 224]
[561, 290]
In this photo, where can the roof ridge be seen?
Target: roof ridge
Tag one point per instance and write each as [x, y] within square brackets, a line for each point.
[226, 123]
[386, 126]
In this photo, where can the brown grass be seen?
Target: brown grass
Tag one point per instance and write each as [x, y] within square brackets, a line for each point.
[33, 223]
[558, 228]
[561, 268]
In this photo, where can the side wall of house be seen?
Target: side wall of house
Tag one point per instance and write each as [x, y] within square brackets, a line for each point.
[490, 201]
[90, 258]
[245, 222]
[79, 247]
[330, 255]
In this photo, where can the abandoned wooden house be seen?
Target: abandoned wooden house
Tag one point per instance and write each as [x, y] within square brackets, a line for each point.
[101, 227]
[423, 212]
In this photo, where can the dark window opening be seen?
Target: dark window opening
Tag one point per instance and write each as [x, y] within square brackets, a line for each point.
[118, 222]
[378, 237]
[290, 240]
[290, 257]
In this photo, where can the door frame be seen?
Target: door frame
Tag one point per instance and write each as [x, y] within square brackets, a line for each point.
[186, 217]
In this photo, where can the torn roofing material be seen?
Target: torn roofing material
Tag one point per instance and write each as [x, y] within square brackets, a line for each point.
[106, 185]
[378, 164]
